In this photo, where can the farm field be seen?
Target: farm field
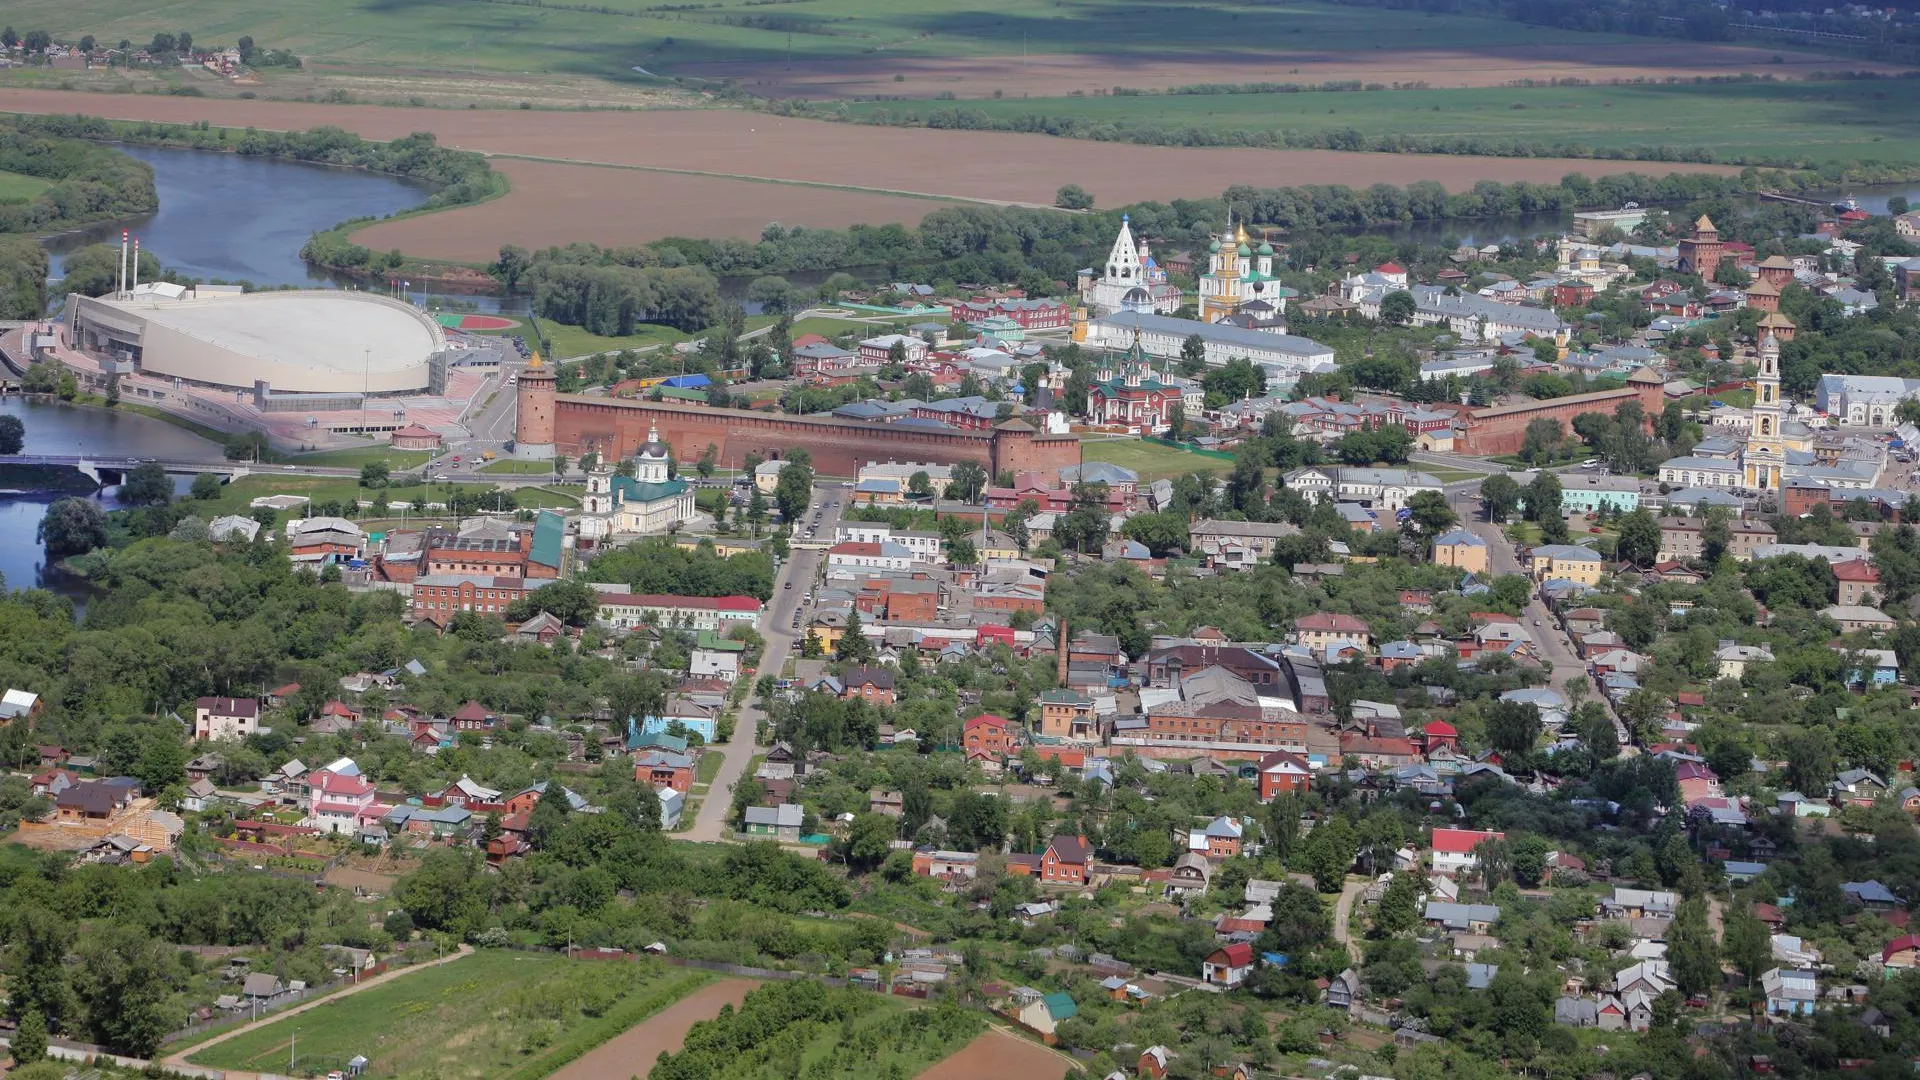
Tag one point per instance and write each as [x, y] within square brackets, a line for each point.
[467, 1020]
[738, 38]
[1757, 122]
[620, 1057]
[1153, 461]
[819, 171]
[996, 1055]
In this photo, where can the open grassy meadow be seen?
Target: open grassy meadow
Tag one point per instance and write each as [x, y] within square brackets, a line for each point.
[1153, 461]
[1757, 122]
[15, 188]
[477, 1018]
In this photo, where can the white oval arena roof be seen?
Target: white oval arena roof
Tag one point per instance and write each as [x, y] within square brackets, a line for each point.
[324, 332]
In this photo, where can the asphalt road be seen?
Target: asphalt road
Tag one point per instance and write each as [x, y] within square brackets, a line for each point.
[792, 590]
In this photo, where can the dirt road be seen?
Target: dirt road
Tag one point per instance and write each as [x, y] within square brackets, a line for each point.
[633, 1050]
[1343, 911]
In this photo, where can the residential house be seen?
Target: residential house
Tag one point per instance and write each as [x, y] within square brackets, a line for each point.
[1565, 562]
[1220, 839]
[1068, 715]
[1857, 618]
[1283, 771]
[664, 770]
[1789, 992]
[1067, 861]
[1227, 966]
[1343, 992]
[1859, 583]
[1473, 918]
[1324, 628]
[1453, 849]
[778, 822]
[989, 736]
[225, 717]
[872, 684]
[1046, 1012]
[1462, 550]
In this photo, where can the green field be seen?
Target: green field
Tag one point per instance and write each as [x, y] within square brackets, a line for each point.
[613, 37]
[1151, 460]
[15, 188]
[1759, 122]
[234, 497]
[361, 455]
[474, 1018]
[568, 342]
[510, 467]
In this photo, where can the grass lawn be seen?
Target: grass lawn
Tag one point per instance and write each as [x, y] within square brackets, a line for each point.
[832, 328]
[361, 455]
[15, 188]
[1446, 475]
[1151, 460]
[708, 768]
[571, 341]
[511, 467]
[234, 497]
[475, 1018]
[1754, 122]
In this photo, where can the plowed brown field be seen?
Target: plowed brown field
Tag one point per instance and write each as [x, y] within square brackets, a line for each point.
[997, 1055]
[632, 1052]
[567, 197]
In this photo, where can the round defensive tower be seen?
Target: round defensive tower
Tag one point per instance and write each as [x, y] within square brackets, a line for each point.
[533, 421]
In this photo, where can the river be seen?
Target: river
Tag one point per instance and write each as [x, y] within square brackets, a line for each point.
[58, 428]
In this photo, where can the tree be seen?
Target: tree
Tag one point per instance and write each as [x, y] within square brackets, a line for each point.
[1747, 945]
[1193, 355]
[1639, 541]
[969, 480]
[1692, 956]
[147, 485]
[869, 840]
[1542, 441]
[1399, 908]
[375, 474]
[1397, 308]
[39, 979]
[1715, 535]
[206, 486]
[30, 1040]
[793, 490]
[1176, 422]
[1543, 499]
[73, 526]
[1430, 515]
[920, 485]
[853, 644]
[185, 42]
[9, 38]
[1499, 497]
[1513, 726]
[1072, 197]
[709, 460]
[13, 435]
[125, 979]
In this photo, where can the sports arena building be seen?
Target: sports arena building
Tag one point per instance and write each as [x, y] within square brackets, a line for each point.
[298, 350]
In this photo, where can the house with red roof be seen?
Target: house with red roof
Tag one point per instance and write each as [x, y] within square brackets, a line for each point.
[1901, 952]
[1324, 628]
[1696, 782]
[1439, 735]
[1227, 966]
[1066, 861]
[341, 801]
[988, 736]
[473, 716]
[1283, 771]
[1378, 752]
[1859, 583]
[1453, 849]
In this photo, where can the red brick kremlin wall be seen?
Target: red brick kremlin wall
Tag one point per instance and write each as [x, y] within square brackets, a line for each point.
[1502, 429]
[838, 447]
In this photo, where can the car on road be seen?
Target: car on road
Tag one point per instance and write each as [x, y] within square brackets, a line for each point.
[456, 459]
[1590, 463]
[1536, 622]
[788, 585]
[290, 468]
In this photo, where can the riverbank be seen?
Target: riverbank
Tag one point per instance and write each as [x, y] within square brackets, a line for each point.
[18, 479]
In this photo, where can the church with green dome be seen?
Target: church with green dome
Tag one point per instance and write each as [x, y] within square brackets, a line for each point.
[1238, 273]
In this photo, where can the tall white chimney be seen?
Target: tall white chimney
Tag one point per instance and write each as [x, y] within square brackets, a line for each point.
[136, 262]
[122, 291]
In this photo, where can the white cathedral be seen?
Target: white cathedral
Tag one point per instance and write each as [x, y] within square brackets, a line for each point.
[650, 501]
[1132, 281]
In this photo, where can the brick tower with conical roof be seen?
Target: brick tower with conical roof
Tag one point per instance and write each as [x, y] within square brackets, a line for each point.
[533, 419]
